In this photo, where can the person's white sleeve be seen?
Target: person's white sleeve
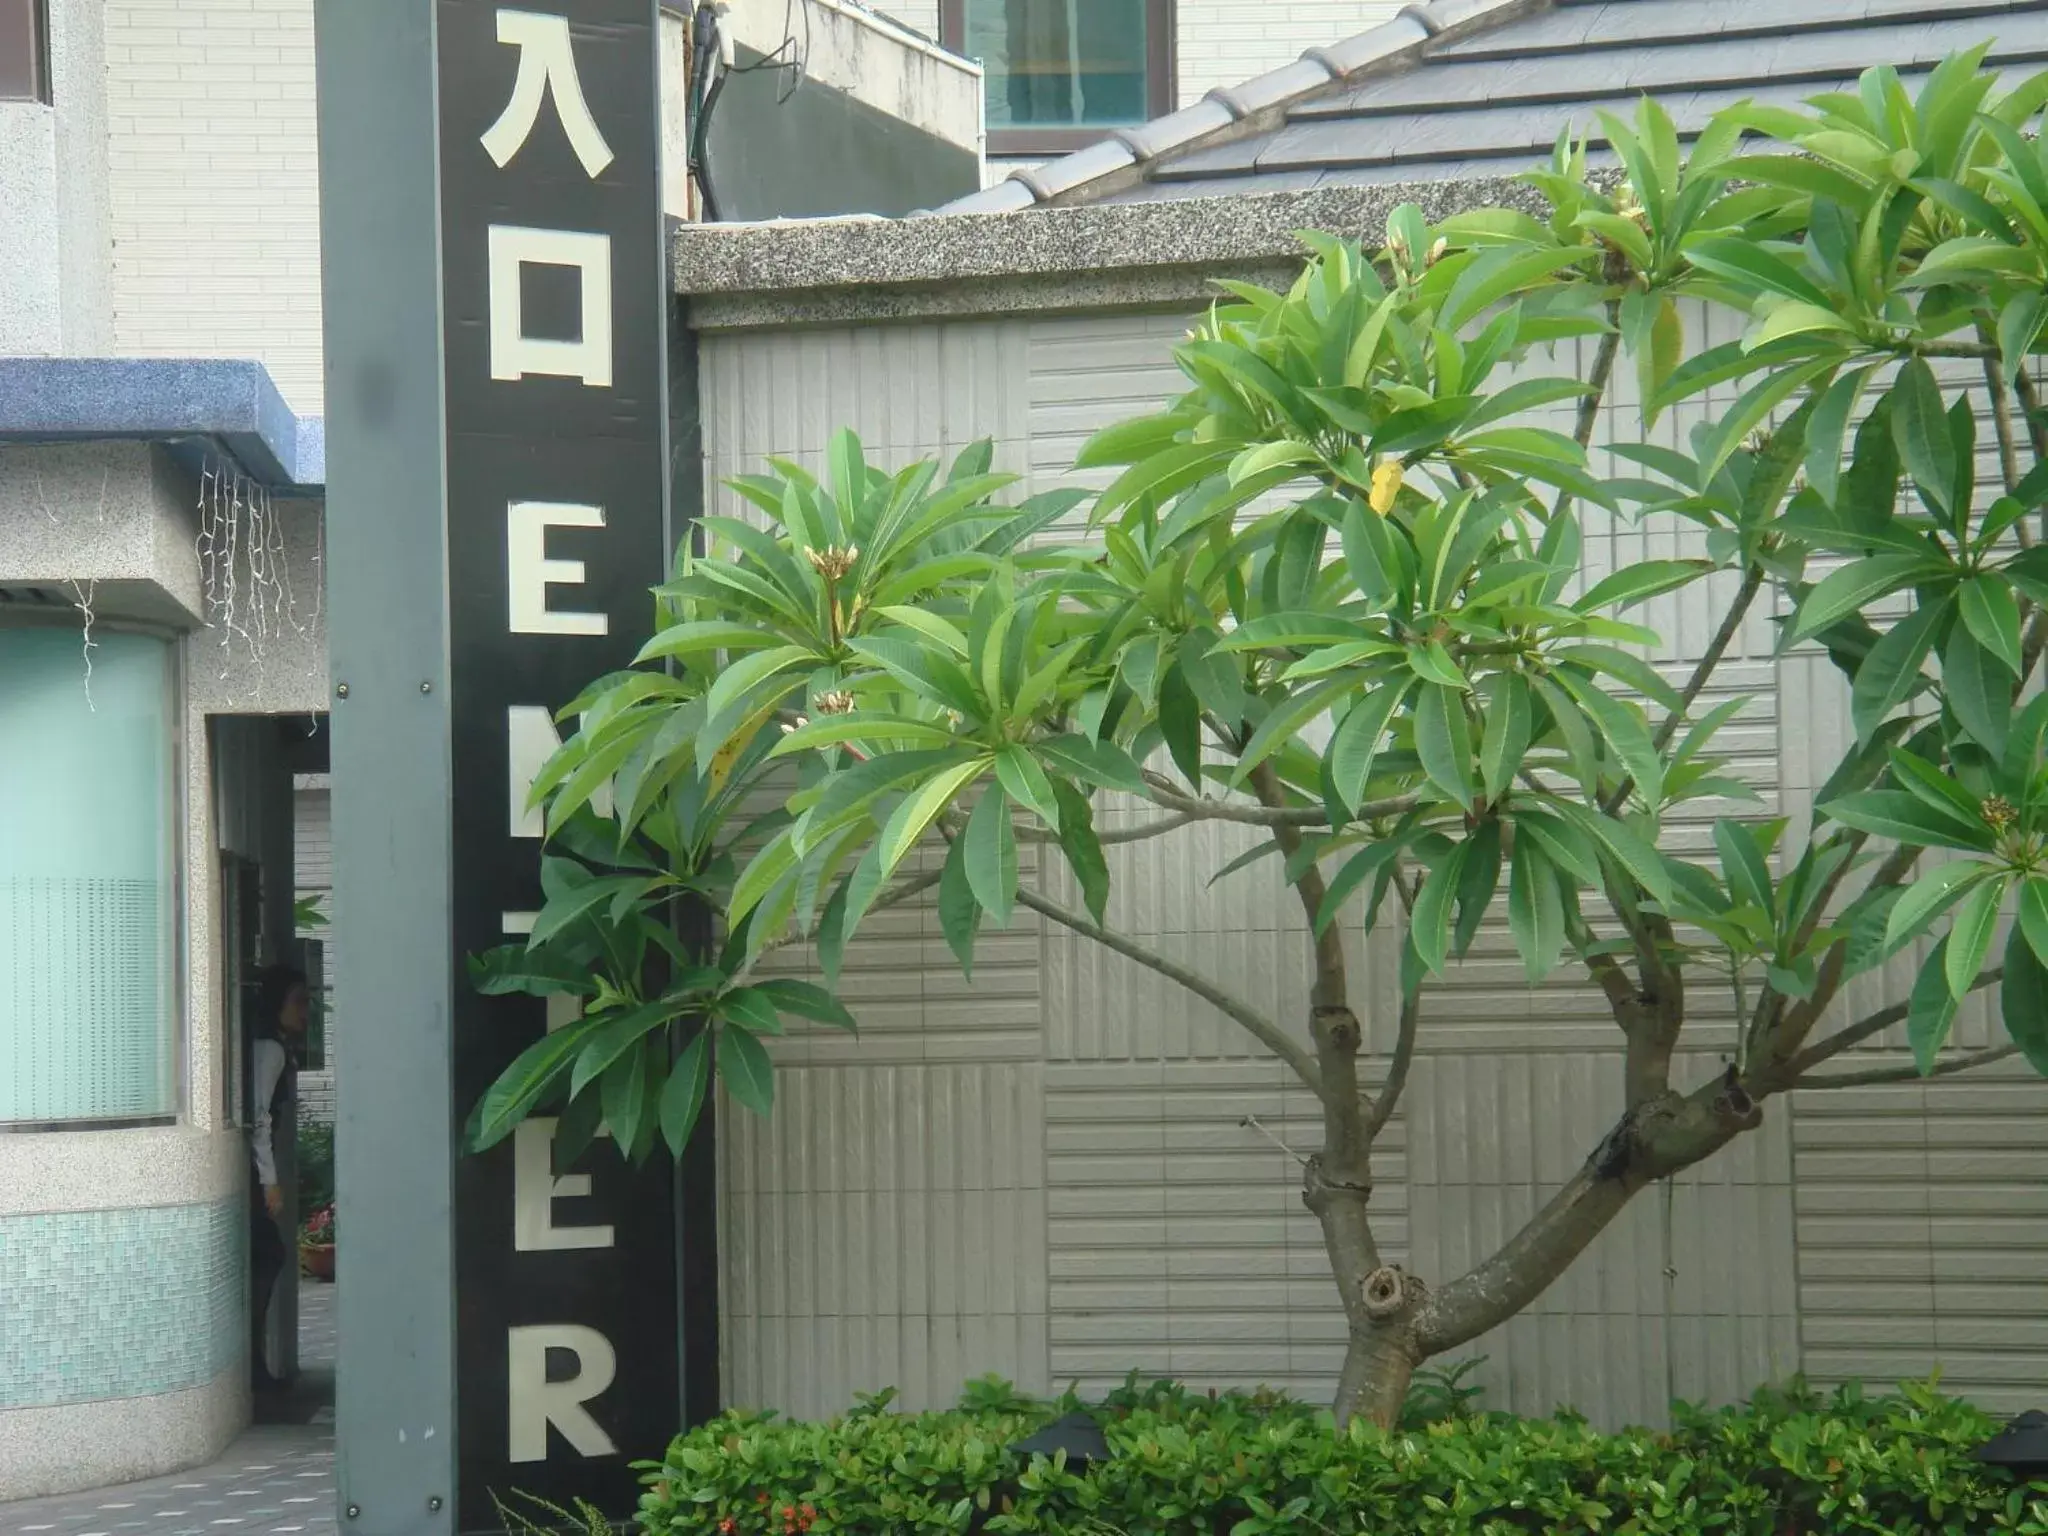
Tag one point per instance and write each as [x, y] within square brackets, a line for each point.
[269, 1068]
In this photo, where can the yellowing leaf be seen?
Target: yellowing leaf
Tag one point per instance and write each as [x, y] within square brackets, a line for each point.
[1386, 485]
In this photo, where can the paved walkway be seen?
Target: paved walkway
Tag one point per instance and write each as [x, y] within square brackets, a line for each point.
[275, 1478]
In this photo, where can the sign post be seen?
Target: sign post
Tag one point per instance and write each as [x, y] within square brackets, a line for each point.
[497, 420]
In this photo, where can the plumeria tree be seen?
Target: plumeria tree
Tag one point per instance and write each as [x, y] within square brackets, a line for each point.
[1336, 593]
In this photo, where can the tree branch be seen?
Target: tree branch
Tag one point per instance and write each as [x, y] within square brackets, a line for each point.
[1603, 371]
[1261, 1028]
[2001, 416]
[1855, 1034]
[1397, 1068]
[1908, 1074]
[1155, 828]
[1702, 674]
[1162, 792]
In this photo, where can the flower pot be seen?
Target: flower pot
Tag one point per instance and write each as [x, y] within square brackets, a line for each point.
[317, 1260]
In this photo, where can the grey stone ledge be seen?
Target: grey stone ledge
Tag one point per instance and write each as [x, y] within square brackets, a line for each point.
[878, 266]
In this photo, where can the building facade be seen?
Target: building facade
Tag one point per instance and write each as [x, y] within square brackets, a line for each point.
[163, 674]
[1046, 1173]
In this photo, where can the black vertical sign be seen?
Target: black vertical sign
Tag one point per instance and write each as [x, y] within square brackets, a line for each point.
[566, 1344]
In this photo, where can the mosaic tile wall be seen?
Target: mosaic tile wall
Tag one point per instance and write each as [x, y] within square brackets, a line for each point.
[106, 1304]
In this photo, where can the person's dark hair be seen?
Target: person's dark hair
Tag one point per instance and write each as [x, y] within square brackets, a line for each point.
[274, 983]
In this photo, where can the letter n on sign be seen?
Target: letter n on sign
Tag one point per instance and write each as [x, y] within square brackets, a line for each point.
[554, 349]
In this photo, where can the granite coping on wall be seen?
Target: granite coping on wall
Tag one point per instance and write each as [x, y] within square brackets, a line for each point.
[231, 403]
[882, 267]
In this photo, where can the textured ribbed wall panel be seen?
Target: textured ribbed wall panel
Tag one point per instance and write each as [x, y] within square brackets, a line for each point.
[1492, 1137]
[886, 1227]
[1170, 1235]
[1923, 1233]
[1177, 1238]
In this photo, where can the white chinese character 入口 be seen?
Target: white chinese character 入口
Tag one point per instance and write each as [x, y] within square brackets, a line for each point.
[514, 354]
[547, 67]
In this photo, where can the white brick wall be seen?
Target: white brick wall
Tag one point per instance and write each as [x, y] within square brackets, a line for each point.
[1225, 42]
[214, 184]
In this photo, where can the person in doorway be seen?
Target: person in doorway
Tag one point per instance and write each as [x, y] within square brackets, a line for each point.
[280, 1028]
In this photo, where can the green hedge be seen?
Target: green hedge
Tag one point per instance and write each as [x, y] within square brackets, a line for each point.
[1789, 1463]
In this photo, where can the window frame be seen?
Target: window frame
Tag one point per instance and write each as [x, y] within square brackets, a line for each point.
[1162, 65]
[39, 60]
[177, 831]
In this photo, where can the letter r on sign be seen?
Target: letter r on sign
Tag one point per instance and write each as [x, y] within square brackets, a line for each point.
[534, 1402]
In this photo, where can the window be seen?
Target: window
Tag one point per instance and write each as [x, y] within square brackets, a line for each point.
[1059, 72]
[24, 50]
[88, 877]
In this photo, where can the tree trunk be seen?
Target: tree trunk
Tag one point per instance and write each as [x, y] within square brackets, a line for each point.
[1378, 1365]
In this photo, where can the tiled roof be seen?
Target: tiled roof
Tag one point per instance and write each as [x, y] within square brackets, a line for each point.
[1458, 89]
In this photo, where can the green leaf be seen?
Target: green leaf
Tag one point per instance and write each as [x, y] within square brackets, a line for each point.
[1970, 935]
[1510, 721]
[1939, 791]
[959, 911]
[748, 1074]
[1920, 426]
[1082, 848]
[990, 845]
[1624, 729]
[1430, 926]
[522, 1085]
[2034, 914]
[1751, 266]
[1893, 669]
[1641, 581]
[1284, 724]
[1180, 722]
[807, 1000]
[1855, 586]
[1978, 688]
[1102, 764]
[1027, 783]
[1478, 879]
[1639, 858]
[751, 1008]
[1827, 428]
[1443, 740]
[682, 1097]
[1743, 862]
[623, 1095]
[1931, 1011]
[622, 1032]
[919, 810]
[1535, 909]
[1433, 664]
[2025, 1001]
[1993, 618]
[1926, 899]
[1896, 814]
[1357, 741]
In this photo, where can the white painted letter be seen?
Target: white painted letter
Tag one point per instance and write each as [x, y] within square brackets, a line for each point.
[535, 1189]
[532, 738]
[535, 1402]
[547, 65]
[531, 572]
[563, 1007]
[514, 354]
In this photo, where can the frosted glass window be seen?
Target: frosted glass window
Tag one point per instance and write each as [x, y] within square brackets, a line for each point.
[88, 1014]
